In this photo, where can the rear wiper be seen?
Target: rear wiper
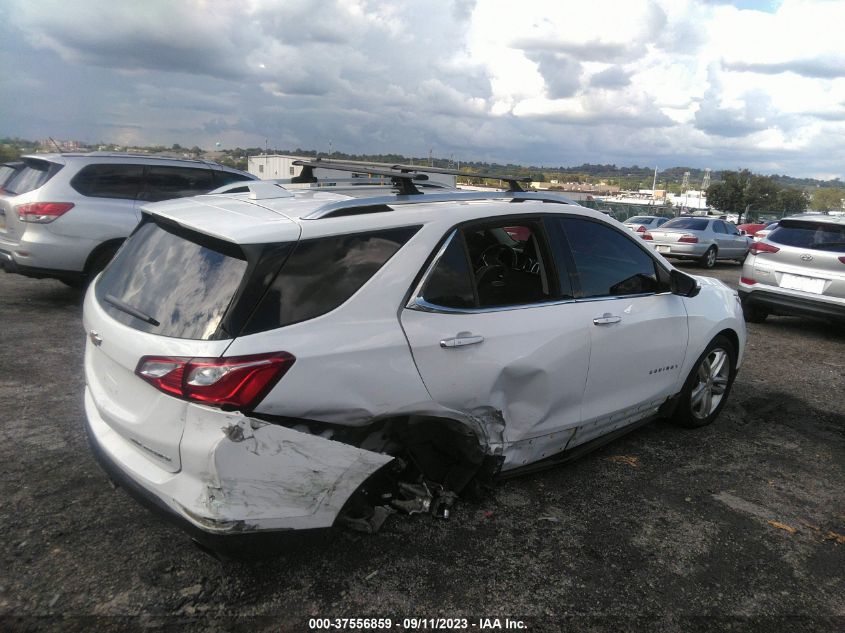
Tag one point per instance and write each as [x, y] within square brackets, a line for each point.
[128, 309]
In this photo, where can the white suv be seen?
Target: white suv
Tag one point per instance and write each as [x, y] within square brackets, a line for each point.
[65, 215]
[279, 359]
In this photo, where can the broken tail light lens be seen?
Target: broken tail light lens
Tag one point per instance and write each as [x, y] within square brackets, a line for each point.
[239, 382]
[761, 247]
[42, 212]
[688, 239]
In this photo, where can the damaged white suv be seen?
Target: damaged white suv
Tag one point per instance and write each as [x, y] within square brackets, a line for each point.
[286, 359]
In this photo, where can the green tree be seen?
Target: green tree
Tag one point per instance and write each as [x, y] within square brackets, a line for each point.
[827, 199]
[9, 153]
[742, 192]
[729, 194]
[791, 201]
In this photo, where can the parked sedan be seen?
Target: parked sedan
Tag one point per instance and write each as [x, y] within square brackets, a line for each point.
[703, 239]
[643, 223]
[759, 234]
[753, 227]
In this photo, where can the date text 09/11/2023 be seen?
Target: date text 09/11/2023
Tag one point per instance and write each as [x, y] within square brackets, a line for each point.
[417, 624]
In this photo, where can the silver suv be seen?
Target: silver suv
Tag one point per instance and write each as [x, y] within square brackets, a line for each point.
[799, 268]
[65, 215]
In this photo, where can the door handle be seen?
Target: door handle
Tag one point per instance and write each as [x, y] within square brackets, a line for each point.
[606, 319]
[463, 338]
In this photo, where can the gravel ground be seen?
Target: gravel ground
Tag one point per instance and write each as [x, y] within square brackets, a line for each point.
[738, 525]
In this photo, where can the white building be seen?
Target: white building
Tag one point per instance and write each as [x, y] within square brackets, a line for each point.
[270, 166]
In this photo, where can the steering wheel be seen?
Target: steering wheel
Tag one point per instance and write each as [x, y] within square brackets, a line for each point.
[492, 256]
[489, 275]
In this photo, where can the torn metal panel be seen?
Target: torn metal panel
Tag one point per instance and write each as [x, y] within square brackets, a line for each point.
[270, 476]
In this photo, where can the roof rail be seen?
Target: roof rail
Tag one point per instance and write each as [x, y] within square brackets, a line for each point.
[513, 181]
[385, 203]
[402, 180]
[258, 189]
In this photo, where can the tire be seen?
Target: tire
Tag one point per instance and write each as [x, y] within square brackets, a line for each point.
[753, 314]
[708, 260]
[708, 386]
[98, 262]
[76, 284]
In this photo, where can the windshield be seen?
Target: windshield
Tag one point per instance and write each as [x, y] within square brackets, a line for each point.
[165, 283]
[639, 219]
[693, 224]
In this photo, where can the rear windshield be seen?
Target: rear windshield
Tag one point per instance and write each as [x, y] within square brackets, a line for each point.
[819, 236]
[34, 173]
[182, 287]
[694, 224]
[639, 219]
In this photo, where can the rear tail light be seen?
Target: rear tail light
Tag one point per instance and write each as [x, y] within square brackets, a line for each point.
[762, 247]
[42, 212]
[747, 281]
[647, 236]
[238, 382]
[842, 259]
[640, 229]
[688, 239]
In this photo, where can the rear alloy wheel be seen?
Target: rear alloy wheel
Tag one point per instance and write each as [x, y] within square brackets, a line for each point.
[708, 385]
[708, 260]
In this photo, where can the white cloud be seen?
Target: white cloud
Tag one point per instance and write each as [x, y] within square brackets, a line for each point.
[551, 82]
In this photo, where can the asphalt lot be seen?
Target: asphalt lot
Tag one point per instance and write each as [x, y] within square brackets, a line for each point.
[738, 525]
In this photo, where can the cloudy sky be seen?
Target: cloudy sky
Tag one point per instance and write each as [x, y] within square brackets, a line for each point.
[751, 83]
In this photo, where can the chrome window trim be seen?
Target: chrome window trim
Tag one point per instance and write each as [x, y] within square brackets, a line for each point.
[421, 305]
[417, 293]
[416, 302]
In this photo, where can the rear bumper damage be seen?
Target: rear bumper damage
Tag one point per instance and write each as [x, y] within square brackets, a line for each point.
[239, 475]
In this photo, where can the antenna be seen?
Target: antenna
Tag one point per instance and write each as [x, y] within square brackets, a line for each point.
[58, 149]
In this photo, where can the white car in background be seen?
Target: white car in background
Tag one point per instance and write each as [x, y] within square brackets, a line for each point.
[280, 360]
[643, 223]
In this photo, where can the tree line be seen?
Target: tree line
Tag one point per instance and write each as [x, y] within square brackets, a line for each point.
[752, 195]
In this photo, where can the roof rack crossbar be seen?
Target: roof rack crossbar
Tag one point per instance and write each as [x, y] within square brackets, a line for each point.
[333, 209]
[513, 181]
[402, 180]
[352, 165]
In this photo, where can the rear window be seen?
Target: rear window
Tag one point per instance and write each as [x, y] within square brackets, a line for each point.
[183, 284]
[33, 174]
[693, 224]
[819, 236]
[639, 219]
[323, 273]
[7, 171]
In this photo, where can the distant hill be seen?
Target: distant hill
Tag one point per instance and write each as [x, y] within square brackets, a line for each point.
[632, 177]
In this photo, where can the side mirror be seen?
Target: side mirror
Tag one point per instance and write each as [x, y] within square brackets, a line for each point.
[683, 285]
[743, 232]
